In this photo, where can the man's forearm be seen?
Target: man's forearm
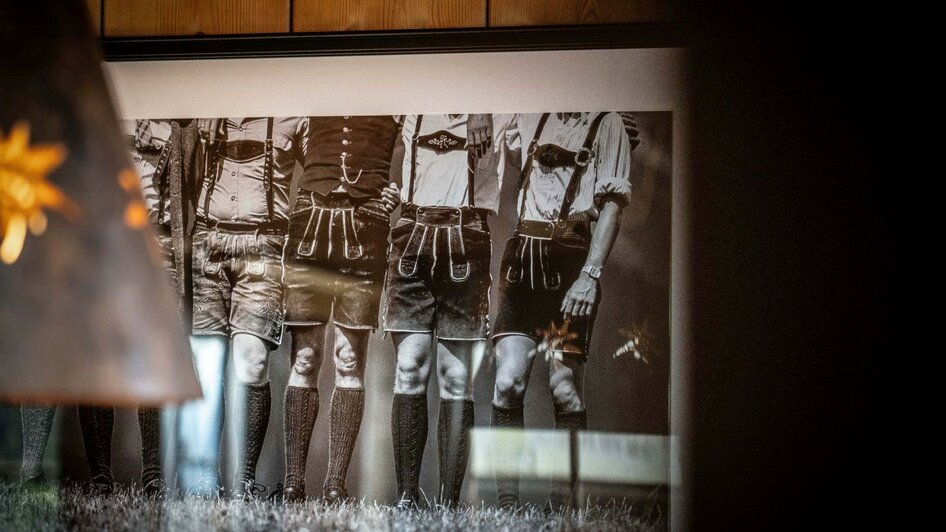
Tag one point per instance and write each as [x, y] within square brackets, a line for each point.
[606, 232]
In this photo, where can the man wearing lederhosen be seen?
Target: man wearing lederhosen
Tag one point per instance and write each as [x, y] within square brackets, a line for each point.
[242, 222]
[338, 237]
[166, 156]
[576, 171]
[438, 287]
[164, 153]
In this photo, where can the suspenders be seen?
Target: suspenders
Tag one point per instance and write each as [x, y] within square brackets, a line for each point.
[410, 190]
[470, 162]
[158, 180]
[268, 168]
[585, 153]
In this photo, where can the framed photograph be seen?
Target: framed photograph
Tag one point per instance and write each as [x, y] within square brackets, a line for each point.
[467, 242]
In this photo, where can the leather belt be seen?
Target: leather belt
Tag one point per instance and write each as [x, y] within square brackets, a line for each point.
[551, 230]
[273, 227]
[409, 210]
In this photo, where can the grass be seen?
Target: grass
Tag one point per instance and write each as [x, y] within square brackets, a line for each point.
[70, 508]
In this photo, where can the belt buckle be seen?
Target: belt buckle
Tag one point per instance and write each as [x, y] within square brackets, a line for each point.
[584, 156]
[427, 210]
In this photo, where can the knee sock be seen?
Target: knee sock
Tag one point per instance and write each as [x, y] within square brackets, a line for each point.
[507, 485]
[96, 423]
[409, 435]
[302, 408]
[562, 492]
[149, 423]
[258, 399]
[348, 406]
[37, 421]
[453, 436]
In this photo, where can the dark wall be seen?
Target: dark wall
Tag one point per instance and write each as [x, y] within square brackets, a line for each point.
[793, 367]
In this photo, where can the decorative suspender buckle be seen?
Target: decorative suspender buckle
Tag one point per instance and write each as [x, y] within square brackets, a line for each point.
[584, 156]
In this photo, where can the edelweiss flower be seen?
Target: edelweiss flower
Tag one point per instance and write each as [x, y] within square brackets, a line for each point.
[24, 191]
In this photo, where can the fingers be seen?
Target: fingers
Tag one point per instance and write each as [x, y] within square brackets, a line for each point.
[568, 307]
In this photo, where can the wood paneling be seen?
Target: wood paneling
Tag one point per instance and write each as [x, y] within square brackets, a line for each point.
[189, 17]
[555, 12]
[95, 12]
[344, 15]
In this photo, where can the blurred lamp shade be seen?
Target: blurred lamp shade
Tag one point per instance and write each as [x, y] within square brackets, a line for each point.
[86, 313]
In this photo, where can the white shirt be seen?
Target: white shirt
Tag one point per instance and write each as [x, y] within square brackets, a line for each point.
[607, 174]
[442, 179]
[148, 137]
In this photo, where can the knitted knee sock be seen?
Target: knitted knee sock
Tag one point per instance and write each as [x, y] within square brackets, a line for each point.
[149, 422]
[302, 408]
[37, 423]
[409, 434]
[96, 423]
[563, 492]
[258, 400]
[453, 437]
[507, 486]
[348, 406]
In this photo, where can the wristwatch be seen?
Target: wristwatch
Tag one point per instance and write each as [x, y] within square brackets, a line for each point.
[593, 271]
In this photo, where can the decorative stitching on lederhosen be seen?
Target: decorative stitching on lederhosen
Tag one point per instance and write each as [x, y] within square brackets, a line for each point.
[325, 217]
[440, 142]
[551, 155]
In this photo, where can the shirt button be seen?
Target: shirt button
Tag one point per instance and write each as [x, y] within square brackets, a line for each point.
[344, 154]
[232, 198]
[232, 173]
[345, 142]
[346, 129]
[346, 117]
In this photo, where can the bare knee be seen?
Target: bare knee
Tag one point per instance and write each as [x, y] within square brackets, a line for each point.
[251, 359]
[454, 381]
[510, 390]
[305, 368]
[349, 370]
[565, 394]
[411, 372]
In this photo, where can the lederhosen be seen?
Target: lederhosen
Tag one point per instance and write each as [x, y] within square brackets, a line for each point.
[336, 260]
[226, 251]
[544, 257]
[430, 221]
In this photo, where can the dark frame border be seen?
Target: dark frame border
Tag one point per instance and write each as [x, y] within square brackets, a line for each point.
[505, 39]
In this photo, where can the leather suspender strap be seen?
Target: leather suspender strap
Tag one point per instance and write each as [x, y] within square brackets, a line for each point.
[268, 168]
[572, 190]
[530, 158]
[410, 185]
[471, 173]
[159, 180]
[214, 166]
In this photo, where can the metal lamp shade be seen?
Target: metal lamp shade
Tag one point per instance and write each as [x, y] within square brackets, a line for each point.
[86, 313]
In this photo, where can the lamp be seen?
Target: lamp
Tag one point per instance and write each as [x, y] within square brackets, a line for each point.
[86, 313]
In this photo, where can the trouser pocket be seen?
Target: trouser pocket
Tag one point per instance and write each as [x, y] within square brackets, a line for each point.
[456, 250]
[352, 245]
[409, 260]
[513, 259]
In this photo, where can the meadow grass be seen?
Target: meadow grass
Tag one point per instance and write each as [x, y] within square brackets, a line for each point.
[70, 508]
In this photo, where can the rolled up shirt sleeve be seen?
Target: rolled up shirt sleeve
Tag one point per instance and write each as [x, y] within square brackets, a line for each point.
[613, 162]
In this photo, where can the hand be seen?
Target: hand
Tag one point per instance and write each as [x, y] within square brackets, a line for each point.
[580, 299]
[208, 127]
[479, 134]
[390, 197]
[630, 126]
